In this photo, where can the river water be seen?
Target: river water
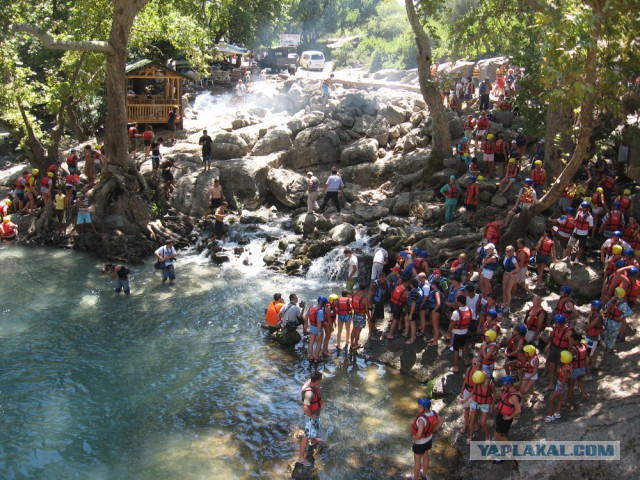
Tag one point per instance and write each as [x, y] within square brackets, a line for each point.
[177, 382]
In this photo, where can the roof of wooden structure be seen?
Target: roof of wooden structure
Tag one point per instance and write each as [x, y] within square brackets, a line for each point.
[146, 68]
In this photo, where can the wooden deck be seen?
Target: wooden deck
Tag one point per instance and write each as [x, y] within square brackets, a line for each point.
[149, 113]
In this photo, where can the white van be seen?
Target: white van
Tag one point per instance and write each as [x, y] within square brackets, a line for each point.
[312, 60]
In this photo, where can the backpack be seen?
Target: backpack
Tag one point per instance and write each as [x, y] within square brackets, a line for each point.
[483, 88]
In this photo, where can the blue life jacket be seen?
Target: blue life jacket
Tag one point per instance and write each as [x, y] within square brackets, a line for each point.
[481, 256]
[379, 295]
[509, 264]
[492, 265]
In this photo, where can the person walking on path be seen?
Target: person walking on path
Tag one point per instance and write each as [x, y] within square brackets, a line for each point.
[167, 255]
[332, 188]
[312, 406]
[313, 187]
[424, 425]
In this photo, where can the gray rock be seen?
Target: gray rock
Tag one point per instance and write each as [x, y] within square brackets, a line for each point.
[488, 67]
[456, 127]
[324, 224]
[585, 281]
[503, 117]
[344, 118]
[313, 118]
[408, 201]
[360, 151]
[286, 337]
[343, 234]
[257, 111]
[417, 118]
[455, 163]
[316, 146]
[360, 102]
[379, 129]
[409, 142]
[362, 123]
[536, 226]
[191, 196]
[296, 125]
[370, 213]
[275, 140]
[228, 145]
[499, 200]
[393, 115]
[245, 179]
[287, 187]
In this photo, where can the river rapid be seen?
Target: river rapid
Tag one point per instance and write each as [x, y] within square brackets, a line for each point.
[178, 382]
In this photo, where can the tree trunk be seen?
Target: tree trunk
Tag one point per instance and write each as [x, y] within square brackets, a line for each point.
[53, 152]
[429, 86]
[38, 152]
[558, 122]
[81, 137]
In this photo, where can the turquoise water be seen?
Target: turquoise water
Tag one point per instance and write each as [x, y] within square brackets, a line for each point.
[175, 382]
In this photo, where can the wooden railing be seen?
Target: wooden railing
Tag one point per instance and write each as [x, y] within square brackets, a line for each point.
[154, 113]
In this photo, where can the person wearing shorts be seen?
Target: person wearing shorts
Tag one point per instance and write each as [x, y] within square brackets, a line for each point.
[584, 223]
[424, 424]
[312, 406]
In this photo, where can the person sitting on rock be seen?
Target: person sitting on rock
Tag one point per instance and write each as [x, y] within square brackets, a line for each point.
[273, 310]
[526, 198]
[510, 176]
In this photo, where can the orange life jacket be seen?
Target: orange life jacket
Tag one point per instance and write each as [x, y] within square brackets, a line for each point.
[546, 245]
[313, 315]
[582, 220]
[452, 192]
[491, 358]
[533, 320]
[482, 393]
[579, 356]
[531, 363]
[472, 191]
[568, 226]
[596, 330]
[632, 292]
[489, 147]
[483, 123]
[613, 221]
[396, 295]
[316, 402]
[358, 304]
[468, 381]
[613, 312]
[625, 203]
[560, 336]
[464, 319]
[344, 306]
[504, 407]
[431, 422]
[527, 195]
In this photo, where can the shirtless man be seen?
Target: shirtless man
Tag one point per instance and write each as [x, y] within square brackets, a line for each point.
[219, 223]
[216, 195]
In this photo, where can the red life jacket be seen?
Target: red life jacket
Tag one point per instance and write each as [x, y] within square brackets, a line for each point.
[609, 182]
[492, 232]
[452, 192]
[511, 344]
[499, 146]
[489, 147]
[45, 181]
[482, 393]
[472, 198]
[582, 222]
[527, 195]
[468, 381]
[431, 422]
[483, 123]
[396, 295]
[132, 132]
[579, 356]
[568, 226]
[538, 176]
[597, 199]
[72, 160]
[504, 407]
[464, 321]
[632, 292]
[313, 315]
[631, 238]
[546, 246]
[529, 364]
[527, 255]
[560, 337]
[27, 179]
[613, 312]
[625, 203]
[358, 304]
[147, 135]
[532, 321]
[316, 402]
[562, 308]
[614, 221]
[469, 124]
[344, 306]
[20, 183]
[489, 323]
[565, 373]
[596, 331]
[490, 359]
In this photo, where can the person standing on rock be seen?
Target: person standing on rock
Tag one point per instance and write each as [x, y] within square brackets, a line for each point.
[510, 277]
[377, 298]
[317, 315]
[361, 314]
[352, 269]
[426, 422]
[380, 259]
[313, 188]
[471, 200]
[167, 255]
[312, 406]
[207, 144]
[216, 195]
[484, 91]
[173, 119]
[450, 192]
[332, 188]
[218, 225]
[509, 407]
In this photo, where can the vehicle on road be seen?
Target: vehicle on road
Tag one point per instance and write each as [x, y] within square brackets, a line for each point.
[312, 60]
[280, 58]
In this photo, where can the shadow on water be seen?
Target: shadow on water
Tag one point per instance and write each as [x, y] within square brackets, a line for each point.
[177, 382]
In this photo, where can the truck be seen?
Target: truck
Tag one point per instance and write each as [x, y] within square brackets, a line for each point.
[280, 58]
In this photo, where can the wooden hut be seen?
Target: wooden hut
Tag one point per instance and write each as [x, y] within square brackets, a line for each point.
[152, 90]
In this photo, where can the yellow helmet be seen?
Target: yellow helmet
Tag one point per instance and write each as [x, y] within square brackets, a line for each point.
[620, 292]
[35, 171]
[626, 192]
[6, 219]
[481, 178]
[617, 249]
[512, 161]
[466, 154]
[333, 297]
[538, 162]
[491, 334]
[8, 201]
[529, 349]
[50, 174]
[98, 147]
[490, 136]
[566, 357]
[478, 377]
[600, 190]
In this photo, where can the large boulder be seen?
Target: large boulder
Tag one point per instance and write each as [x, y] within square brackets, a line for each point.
[489, 66]
[316, 146]
[392, 114]
[456, 127]
[228, 145]
[359, 103]
[344, 233]
[275, 140]
[362, 123]
[286, 186]
[379, 129]
[286, 337]
[458, 69]
[244, 180]
[10, 174]
[585, 281]
[191, 196]
[360, 151]
[499, 200]
[409, 201]
[298, 96]
[503, 117]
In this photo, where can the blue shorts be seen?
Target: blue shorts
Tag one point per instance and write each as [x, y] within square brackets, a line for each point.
[483, 407]
[578, 372]
[83, 218]
[559, 386]
[359, 321]
[314, 329]
[345, 318]
[488, 369]
[207, 158]
[312, 427]
[544, 259]
[169, 272]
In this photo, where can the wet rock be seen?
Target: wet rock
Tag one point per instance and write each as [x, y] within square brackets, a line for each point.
[344, 118]
[316, 146]
[392, 114]
[343, 234]
[275, 140]
[286, 186]
[251, 219]
[190, 195]
[244, 180]
[364, 150]
[583, 279]
[499, 200]
[269, 259]
[286, 338]
[296, 264]
[503, 117]
[228, 145]
[219, 258]
[379, 130]
[324, 224]
[308, 223]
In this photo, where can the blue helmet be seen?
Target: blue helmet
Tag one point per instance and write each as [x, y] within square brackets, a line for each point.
[566, 289]
[464, 139]
[322, 300]
[404, 254]
[532, 260]
[629, 252]
[620, 263]
[617, 233]
[597, 304]
[633, 271]
[559, 318]
[522, 329]
[528, 181]
[616, 204]
[425, 403]
[569, 210]
[585, 205]
[472, 178]
[507, 380]
[420, 253]
[492, 312]
[563, 218]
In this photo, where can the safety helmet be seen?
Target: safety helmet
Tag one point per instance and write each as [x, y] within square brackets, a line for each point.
[528, 181]
[322, 300]
[629, 252]
[620, 263]
[51, 175]
[425, 403]
[529, 349]
[617, 233]
[512, 161]
[6, 219]
[507, 380]
[8, 201]
[98, 147]
[538, 162]
[73, 150]
[584, 205]
[559, 318]
[490, 334]
[633, 271]
[35, 171]
[466, 154]
[569, 210]
[490, 136]
[437, 273]
[472, 179]
[620, 292]
[522, 329]
[616, 204]
[532, 260]
[493, 313]
[566, 357]
[597, 304]
[616, 249]
[478, 377]
[563, 218]
[566, 289]
[520, 130]
[626, 192]
[600, 190]
[481, 178]
[464, 139]
[513, 142]
[333, 297]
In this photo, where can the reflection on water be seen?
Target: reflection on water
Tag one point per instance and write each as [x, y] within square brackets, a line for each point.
[175, 382]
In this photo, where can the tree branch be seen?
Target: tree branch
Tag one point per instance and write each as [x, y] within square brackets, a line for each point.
[49, 42]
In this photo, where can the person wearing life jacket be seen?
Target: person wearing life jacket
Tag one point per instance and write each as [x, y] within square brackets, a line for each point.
[8, 230]
[624, 201]
[489, 318]
[330, 323]
[508, 408]
[579, 366]
[482, 126]
[545, 254]
[317, 315]
[483, 398]
[615, 311]
[459, 266]
[469, 126]
[489, 267]
[361, 315]
[458, 330]
[594, 329]
[526, 197]
[426, 422]
[425, 289]
[450, 191]
[535, 321]
[4, 207]
[344, 311]
[72, 162]
[558, 341]
[414, 302]
[626, 278]
[509, 277]
[467, 389]
[377, 299]
[46, 185]
[631, 234]
[147, 138]
[420, 261]
[18, 191]
[598, 208]
[510, 176]
[539, 177]
[471, 199]
[398, 304]
[537, 153]
[408, 266]
[436, 304]
[612, 221]
[488, 155]
[608, 183]
[566, 305]
[133, 138]
[565, 224]
[523, 256]
[514, 345]
[492, 231]
[530, 376]
[30, 182]
[606, 250]
[500, 155]
[584, 223]
[489, 352]
[462, 148]
[273, 309]
[312, 407]
[563, 374]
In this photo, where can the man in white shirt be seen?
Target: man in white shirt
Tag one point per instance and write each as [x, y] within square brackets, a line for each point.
[352, 269]
[167, 255]
[291, 315]
[332, 188]
[380, 258]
